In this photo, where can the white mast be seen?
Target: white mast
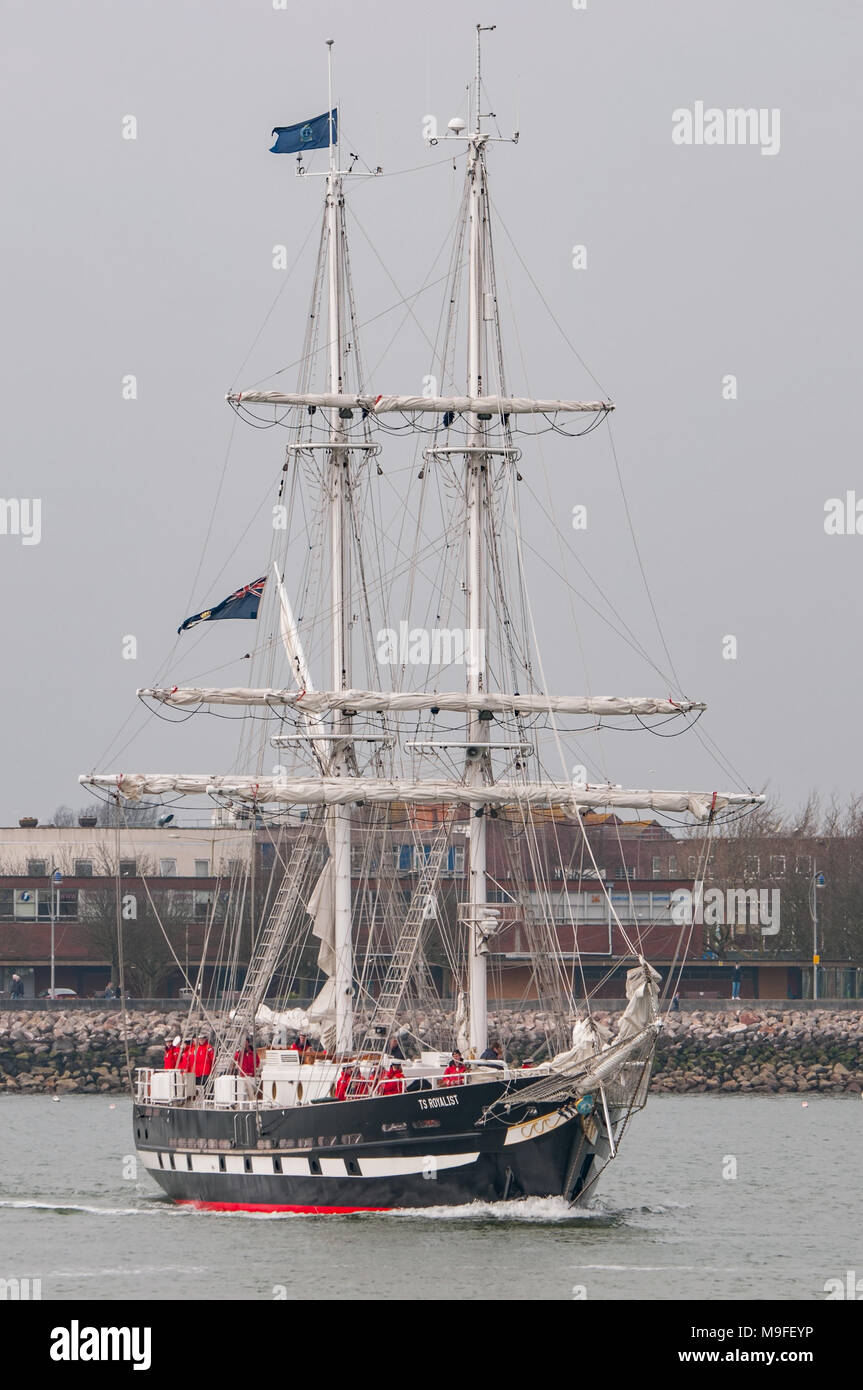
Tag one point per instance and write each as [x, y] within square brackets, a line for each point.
[476, 491]
[339, 817]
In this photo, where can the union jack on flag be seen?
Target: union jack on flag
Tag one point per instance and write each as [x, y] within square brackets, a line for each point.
[242, 604]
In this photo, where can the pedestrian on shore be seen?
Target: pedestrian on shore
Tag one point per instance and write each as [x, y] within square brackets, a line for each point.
[735, 983]
[17, 990]
[675, 1004]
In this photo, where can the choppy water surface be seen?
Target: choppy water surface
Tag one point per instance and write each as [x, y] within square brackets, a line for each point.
[666, 1222]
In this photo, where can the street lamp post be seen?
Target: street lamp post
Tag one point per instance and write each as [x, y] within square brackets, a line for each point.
[817, 882]
[56, 880]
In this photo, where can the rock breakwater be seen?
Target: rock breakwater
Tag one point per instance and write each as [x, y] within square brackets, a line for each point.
[767, 1051]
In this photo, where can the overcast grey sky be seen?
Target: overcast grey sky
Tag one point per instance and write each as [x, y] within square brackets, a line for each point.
[153, 257]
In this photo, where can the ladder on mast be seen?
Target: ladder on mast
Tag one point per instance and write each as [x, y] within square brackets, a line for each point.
[269, 946]
[407, 947]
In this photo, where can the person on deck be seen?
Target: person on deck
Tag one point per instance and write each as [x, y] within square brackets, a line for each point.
[394, 1082]
[187, 1057]
[357, 1086]
[343, 1081]
[172, 1054]
[204, 1056]
[395, 1050]
[491, 1054]
[246, 1059]
[455, 1072]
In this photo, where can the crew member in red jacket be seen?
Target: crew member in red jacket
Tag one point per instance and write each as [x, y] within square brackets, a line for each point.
[357, 1086]
[204, 1056]
[340, 1090]
[172, 1054]
[187, 1057]
[455, 1072]
[246, 1060]
[394, 1083]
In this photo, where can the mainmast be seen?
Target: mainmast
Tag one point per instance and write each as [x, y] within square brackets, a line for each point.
[476, 469]
[339, 817]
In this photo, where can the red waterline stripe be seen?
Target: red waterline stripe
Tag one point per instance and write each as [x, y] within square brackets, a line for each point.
[273, 1206]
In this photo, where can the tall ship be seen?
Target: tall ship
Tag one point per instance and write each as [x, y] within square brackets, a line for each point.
[406, 765]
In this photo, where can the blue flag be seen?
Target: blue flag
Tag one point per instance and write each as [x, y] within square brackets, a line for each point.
[308, 135]
[243, 604]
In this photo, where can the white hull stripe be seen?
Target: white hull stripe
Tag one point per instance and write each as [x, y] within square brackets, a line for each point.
[293, 1167]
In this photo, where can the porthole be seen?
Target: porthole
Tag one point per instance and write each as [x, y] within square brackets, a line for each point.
[277, 1164]
[221, 1163]
[299, 1090]
[275, 1090]
[247, 1164]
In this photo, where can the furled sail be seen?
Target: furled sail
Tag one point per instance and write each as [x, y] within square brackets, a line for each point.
[642, 993]
[372, 701]
[344, 791]
[321, 912]
[385, 405]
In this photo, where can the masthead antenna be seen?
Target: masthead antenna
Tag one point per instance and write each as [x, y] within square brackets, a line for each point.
[480, 29]
[330, 43]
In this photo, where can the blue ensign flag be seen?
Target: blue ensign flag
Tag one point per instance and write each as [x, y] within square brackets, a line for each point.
[243, 604]
[308, 135]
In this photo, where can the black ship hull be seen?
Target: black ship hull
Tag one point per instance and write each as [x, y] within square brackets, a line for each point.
[420, 1149]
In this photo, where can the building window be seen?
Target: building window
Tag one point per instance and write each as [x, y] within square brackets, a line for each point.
[752, 866]
[168, 868]
[693, 865]
[803, 864]
[37, 868]
[83, 868]
[672, 866]
[777, 866]
[456, 859]
[236, 868]
[65, 904]
[203, 904]
[202, 868]
[657, 866]
[128, 868]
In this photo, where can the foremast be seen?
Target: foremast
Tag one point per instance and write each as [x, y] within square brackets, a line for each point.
[476, 471]
[338, 817]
